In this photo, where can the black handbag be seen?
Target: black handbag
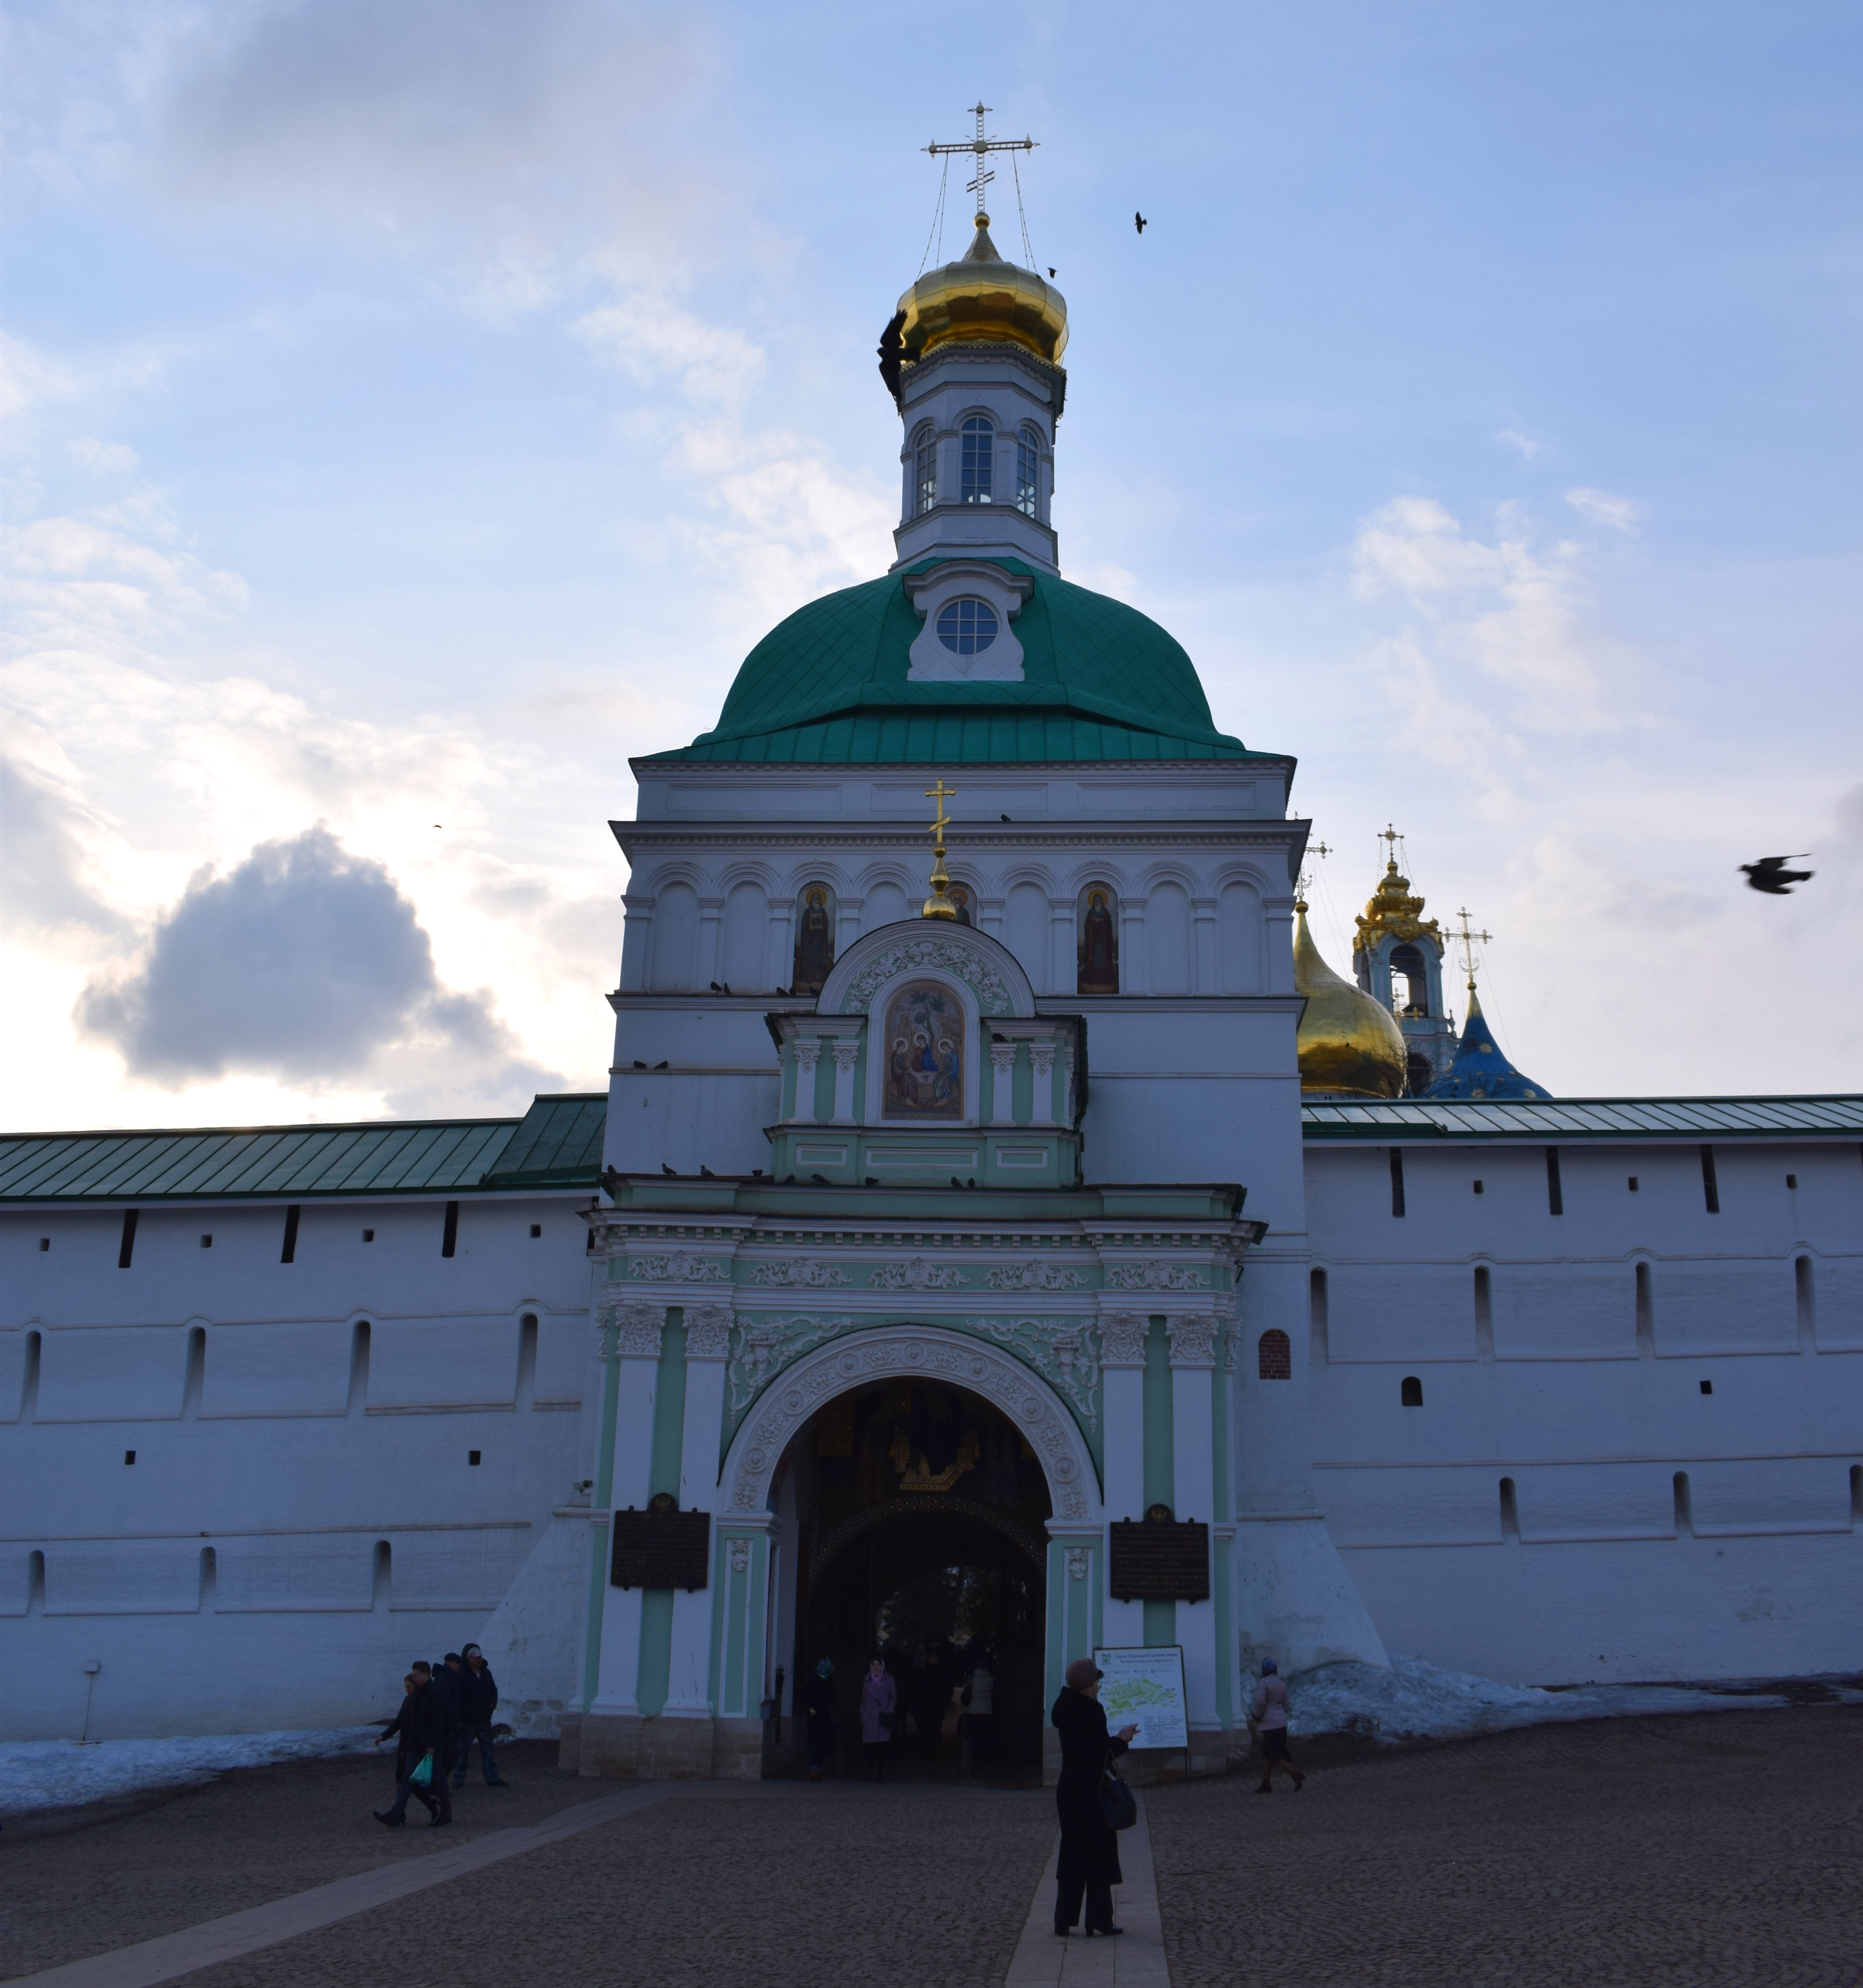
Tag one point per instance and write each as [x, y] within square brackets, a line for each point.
[1118, 1803]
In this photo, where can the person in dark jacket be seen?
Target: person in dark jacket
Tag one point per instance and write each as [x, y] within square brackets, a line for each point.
[820, 1704]
[478, 1701]
[1089, 1863]
[423, 1725]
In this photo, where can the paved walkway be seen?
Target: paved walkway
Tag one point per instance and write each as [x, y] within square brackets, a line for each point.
[1668, 1853]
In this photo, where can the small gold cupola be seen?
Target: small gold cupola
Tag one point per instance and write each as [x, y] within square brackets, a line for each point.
[983, 296]
[1348, 1045]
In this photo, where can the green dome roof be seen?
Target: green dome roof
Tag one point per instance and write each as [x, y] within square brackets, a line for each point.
[1100, 681]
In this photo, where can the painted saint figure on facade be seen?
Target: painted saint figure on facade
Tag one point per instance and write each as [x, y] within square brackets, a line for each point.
[814, 942]
[958, 897]
[1099, 947]
[924, 1056]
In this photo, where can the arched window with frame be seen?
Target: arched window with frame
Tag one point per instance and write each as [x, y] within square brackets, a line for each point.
[925, 470]
[977, 462]
[1028, 470]
[1409, 981]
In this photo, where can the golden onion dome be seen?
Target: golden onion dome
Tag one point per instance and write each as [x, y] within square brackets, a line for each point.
[982, 296]
[1348, 1045]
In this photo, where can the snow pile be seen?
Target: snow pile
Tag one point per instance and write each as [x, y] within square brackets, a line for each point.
[60, 1774]
[1414, 1700]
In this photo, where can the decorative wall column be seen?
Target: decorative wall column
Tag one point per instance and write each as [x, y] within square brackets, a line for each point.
[637, 940]
[1193, 1337]
[808, 1054]
[1205, 965]
[639, 1325]
[1122, 1387]
[708, 1344]
[1134, 977]
[1063, 960]
[846, 1054]
[1003, 1083]
[711, 940]
[1041, 1063]
[779, 960]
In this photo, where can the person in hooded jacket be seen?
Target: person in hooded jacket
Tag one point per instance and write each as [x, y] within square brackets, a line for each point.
[423, 1726]
[1089, 1865]
[478, 1701]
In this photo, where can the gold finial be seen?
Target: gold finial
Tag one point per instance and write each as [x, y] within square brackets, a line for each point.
[938, 905]
[1469, 944]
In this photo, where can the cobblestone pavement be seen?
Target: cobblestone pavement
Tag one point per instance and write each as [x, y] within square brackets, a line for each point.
[784, 1884]
[1660, 1853]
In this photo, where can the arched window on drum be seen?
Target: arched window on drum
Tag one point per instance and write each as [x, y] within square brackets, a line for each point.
[977, 462]
[815, 922]
[1098, 944]
[1028, 471]
[924, 469]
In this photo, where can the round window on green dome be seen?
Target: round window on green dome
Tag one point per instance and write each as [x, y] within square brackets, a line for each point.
[967, 626]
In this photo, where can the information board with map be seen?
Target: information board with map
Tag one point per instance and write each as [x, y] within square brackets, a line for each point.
[1145, 1688]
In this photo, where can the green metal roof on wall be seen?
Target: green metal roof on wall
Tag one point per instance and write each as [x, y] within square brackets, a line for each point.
[553, 1143]
[1586, 1118]
[829, 685]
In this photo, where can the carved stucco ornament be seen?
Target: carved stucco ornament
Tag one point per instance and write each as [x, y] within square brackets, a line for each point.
[902, 1353]
[679, 1266]
[914, 955]
[1156, 1275]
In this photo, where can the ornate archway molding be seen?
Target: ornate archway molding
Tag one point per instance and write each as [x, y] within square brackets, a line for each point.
[909, 1353]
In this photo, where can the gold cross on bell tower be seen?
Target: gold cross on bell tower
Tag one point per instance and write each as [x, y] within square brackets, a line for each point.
[980, 148]
[1469, 944]
[938, 905]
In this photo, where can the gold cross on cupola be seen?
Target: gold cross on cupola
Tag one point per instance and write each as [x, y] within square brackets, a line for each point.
[980, 148]
[938, 905]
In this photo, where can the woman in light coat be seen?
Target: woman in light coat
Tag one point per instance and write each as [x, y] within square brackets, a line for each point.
[879, 1707]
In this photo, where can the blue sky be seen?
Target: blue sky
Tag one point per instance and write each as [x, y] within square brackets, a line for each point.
[413, 412]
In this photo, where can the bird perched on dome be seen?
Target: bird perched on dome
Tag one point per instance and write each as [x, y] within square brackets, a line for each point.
[1770, 875]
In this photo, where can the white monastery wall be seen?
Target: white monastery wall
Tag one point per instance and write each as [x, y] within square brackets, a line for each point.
[1638, 1452]
[301, 1518]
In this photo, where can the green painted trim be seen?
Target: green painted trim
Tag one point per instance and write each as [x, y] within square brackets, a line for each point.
[656, 1651]
[669, 1430]
[1161, 1486]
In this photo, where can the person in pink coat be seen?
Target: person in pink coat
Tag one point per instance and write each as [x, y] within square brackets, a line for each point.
[1269, 1713]
[879, 1707]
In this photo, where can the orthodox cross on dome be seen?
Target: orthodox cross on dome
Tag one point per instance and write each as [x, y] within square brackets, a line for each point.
[938, 905]
[1389, 837]
[980, 147]
[1469, 944]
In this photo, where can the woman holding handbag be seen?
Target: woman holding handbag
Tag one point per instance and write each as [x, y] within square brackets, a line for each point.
[1089, 1865]
[879, 1713]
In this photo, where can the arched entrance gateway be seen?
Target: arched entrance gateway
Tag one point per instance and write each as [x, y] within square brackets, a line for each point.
[918, 1484]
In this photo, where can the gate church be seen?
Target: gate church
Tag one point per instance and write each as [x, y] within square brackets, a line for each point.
[934, 1220]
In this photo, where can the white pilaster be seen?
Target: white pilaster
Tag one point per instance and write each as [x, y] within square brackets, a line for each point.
[641, 1323]
[845, 1054]
[1041, 1058]
[1003, 1083]
[1193, 1360]
[1122, 1387]
[808, 1054]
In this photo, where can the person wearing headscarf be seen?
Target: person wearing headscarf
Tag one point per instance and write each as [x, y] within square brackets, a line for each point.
[1089, 1865]
[1269, 1713]
[879, 1709]
[819, 1702]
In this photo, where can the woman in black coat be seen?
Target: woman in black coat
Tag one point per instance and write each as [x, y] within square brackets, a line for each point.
[1089, 1850]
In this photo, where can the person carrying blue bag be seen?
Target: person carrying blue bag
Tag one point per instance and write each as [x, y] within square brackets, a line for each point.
[1093, 1802]
[424, 1724]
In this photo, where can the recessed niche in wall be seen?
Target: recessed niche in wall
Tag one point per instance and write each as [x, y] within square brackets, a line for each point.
[368, 1236]
[1707, 1387]
[1479, 1188]
[1411, 1392]
[1791, 1181]
[536, 1229]
[44, 1242]
[1633, 1183]
[472, 1456]
[207, 1242]
[129, 1456]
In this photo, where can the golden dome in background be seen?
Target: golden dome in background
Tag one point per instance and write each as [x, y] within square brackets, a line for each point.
[1348, 1045]
[982, 296]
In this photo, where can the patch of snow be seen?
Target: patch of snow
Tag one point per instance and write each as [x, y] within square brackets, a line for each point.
[1414, 1700]
[61, 1774]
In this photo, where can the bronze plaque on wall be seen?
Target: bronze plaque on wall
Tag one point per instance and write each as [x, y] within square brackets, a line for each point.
[661, 1547]
[1159, 1558]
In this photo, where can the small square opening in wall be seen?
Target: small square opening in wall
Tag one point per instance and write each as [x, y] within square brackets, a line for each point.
[472, 1456]
[1479, 1187]
[1791, 1181]
[1707, 1387]
[45, 1243]
[1633, 1183]
[368, 1236]
[207, 1242]
[536, 1229]
[129, 1456]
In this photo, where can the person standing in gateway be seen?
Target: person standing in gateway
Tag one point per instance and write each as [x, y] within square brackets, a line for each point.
[1089, 1864]
[879, 1710]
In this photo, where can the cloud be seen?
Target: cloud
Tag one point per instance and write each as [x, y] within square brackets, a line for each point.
[43, 860]
[303, 962]
[1528, 445]
[1508, 611]
[1620, 514]
[653, 339]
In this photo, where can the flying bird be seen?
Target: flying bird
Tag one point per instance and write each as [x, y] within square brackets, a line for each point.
[1051, 272]
[1770, 875]
[1138, 221]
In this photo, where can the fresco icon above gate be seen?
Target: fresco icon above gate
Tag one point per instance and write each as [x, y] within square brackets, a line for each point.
[925, 1025]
